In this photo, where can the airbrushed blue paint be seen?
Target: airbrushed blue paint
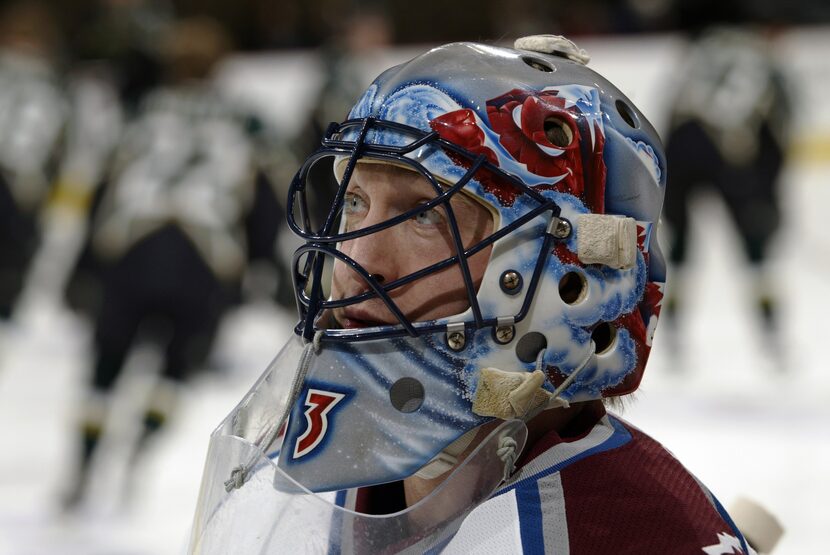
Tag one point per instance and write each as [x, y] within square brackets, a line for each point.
[640, 203]
[416, 104]
[649, 157]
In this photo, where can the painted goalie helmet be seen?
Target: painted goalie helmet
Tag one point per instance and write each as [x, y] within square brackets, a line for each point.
[553, 301]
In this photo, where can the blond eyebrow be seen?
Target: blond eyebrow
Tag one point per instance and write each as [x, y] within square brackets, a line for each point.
[351, 188]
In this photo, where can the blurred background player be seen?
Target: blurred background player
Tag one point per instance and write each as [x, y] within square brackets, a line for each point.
[33, 115]
[183, 215]
[728, 132]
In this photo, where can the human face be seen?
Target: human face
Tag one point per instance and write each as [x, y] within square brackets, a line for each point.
[378, 192]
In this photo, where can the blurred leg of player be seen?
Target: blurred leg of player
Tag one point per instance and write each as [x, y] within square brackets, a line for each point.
[115, 331]
[18, 240]
[195, 318]
[692, 161]
[163, 288]
[750, 192]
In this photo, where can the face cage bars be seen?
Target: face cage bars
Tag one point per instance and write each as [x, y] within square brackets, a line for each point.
[322, 242]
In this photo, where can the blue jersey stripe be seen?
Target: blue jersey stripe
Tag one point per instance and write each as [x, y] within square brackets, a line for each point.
[439, 547]
[728, 519]
[335, 540]
[531, 528]
[528, 499]
[340, 498]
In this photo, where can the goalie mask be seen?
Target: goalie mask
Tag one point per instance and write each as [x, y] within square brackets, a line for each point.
[541, 184]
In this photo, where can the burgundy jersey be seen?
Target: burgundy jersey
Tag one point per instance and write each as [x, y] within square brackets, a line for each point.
[603, 486]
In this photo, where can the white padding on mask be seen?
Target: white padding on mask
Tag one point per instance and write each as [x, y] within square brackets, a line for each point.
[553, 44]
[509, 395]
[608, 240]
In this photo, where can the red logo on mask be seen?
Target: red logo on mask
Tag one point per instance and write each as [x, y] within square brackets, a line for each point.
[318, 404]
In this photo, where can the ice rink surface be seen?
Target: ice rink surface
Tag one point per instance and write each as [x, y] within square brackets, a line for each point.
[748, 418]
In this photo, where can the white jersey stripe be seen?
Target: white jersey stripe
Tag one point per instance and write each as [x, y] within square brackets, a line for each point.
[492, 527]
[554, 521]
[558, 454]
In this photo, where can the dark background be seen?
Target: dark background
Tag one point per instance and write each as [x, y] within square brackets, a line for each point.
[90, 26]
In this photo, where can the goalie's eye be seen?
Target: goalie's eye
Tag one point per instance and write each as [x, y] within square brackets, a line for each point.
[428, 217]
[354, 205]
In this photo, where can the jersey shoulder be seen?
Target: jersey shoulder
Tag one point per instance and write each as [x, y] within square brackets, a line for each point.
[617, 490]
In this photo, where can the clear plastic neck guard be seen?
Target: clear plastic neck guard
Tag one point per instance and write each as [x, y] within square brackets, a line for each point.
[271, 513]
[251, 503]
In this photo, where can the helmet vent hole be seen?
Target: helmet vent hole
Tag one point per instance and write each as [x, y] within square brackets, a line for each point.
[603, 337]
[558, 132]
[572, 287]
[626, 113]
[537, 64]
[530, 345]
[407, 395]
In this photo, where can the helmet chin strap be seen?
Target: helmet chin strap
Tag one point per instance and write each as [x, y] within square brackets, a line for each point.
[505, 395]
